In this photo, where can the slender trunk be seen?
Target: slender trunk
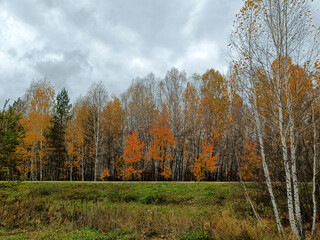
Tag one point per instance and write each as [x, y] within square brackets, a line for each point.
[82, 167]
[71, 173]
[293, 148]
[256, 214]
[261, 143]
[40, 158]
[174, 165]
[96, 149]
[295, 177]
[314, 184]
[156, 170]
[96, 162]
[33, 175]
[287, 170]
[264, 164]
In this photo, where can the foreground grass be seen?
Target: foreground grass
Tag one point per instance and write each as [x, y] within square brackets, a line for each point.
[132, 211]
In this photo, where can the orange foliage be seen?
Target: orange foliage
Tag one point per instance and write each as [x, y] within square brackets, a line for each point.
[207, 162]
[105, 174]
[162, 142]
[133, 153]
[251, 161]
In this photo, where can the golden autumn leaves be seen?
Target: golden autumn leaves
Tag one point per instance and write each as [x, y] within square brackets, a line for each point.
[183, 138]
[36, 123]
[160, 155]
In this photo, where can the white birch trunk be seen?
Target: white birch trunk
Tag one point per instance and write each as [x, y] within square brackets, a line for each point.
[287, 170]
[294, 175]
[264, 164]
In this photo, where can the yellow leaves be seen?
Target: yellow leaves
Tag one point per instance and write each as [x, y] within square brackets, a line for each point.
[75, 134]
[295, 81]
[214, 104]
[36, 123]
[113, 118]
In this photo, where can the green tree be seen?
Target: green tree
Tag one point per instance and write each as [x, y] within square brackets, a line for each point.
[11, 134]
[57, 133]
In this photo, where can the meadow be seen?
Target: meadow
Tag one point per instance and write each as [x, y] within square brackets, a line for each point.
[127, 210]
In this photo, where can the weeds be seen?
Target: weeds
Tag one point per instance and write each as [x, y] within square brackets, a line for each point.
[130, 211]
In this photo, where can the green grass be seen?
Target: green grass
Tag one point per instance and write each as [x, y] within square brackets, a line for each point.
[132, 211]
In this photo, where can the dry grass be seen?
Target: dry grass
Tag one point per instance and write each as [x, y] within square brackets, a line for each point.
[207, 211]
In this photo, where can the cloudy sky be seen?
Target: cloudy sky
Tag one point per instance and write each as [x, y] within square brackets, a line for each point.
[76, 42]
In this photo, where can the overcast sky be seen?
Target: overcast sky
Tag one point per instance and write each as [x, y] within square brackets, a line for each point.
[76, 42]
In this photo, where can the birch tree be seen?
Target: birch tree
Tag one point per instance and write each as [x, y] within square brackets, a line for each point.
[97, 97]
[242, 40]
[271, 36]
[36, 123]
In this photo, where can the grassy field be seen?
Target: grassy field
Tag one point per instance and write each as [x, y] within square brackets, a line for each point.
[133, 211]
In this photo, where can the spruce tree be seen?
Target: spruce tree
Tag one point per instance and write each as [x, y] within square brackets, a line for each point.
[57, 133]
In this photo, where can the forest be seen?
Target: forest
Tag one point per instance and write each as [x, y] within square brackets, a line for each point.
[259, 122]
[178, 128]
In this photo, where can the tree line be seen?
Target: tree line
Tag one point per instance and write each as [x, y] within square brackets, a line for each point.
[177, 128]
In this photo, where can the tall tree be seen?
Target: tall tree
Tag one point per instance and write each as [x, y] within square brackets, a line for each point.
[133, 153]
[57, 133]
[36, 123]
[76, 137]
[172, 88]
[139, 105]
[11, 137]
[214, 109]
[192, 128]
[162, 146]
[97, 97]
[113, 128]
[269, 35]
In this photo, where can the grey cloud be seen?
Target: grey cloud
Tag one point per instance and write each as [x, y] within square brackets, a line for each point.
[69, 65]
[74, 43]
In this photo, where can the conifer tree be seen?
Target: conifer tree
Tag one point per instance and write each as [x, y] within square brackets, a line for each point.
[11, 134]
[57, 134]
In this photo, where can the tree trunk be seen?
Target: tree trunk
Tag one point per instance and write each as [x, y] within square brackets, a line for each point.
[264, 164]
[96, 149]
[82, 167]
[314, 184]
[286, 168]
